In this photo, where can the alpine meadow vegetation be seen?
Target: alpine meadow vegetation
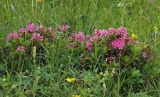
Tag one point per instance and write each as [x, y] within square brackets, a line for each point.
[79, 48]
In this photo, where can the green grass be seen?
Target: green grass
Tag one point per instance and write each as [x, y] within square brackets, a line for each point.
[138, 16]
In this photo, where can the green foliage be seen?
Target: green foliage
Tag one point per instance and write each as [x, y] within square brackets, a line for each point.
[129, 74]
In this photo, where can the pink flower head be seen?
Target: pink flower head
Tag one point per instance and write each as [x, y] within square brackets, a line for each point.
[67, 27]
[69, 45]
[39, 28]
[20, 48]
[144, 54]
[10, 35]
[95, 31]
[98, 38]
[69, 37]
[136, 42]
[151, 55]
[122, 31]
[112, 58]
[92, 38]
[104, 33]
[22, 31]
[15, 35]
[112, 30]
[53, 36]
[118, 43]
[64, 27]
[88, 36]
[37, 36]
[89, 45]
[86, 57]
[106, 60]
[30, 27]
[44, 30]
[79, 37]
[50, 29]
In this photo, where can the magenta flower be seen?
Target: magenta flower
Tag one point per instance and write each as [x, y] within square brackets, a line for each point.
[122, 31]
[112, 58]
[79, 37]
[151, 55]
[136, 42]
[44, 30]
[50, 29]
[106, 60]
[20, 48]
[103, 33]
[69, 45]
[69, 37]
[118, 43]
[53, 36]
[15, 35]
[88, 36]
[86, 57]
[37, 36]
[64, 27]
[92, 38]
[89, 45]
[30, 27]
[22, 31]
[95, 31]
[39, 28]
[144, 54]
[112, 30]
[10, 35]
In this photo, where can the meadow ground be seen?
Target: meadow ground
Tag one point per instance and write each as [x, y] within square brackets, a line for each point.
[59, 71]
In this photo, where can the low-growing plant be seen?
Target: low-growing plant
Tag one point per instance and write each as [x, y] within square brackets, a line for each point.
[110, 58]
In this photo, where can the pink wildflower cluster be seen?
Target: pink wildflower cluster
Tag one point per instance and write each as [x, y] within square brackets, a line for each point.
[101, 33]
[39, 28]
[20, 48]
[98, 34]
[79, 37]
[22, 31]
[10, 35]
[37, 36]
[144, 54]
[118, 43]
[136, 42]
[64, 27]
[30, 28]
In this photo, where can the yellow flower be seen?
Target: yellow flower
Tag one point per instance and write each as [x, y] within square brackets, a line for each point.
[70, 80]
[76, 95]
[39, 0]
[134, 36]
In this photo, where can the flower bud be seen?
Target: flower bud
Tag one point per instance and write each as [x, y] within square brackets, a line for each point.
[34, 52]
[155, 30]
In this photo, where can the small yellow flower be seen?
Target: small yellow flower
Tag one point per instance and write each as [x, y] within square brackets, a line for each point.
[76, 95]
[39, 0]
[134, 36]
[70, 80]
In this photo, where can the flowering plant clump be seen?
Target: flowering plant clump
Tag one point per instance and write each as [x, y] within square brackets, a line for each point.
[33, 36]
[105, 49]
